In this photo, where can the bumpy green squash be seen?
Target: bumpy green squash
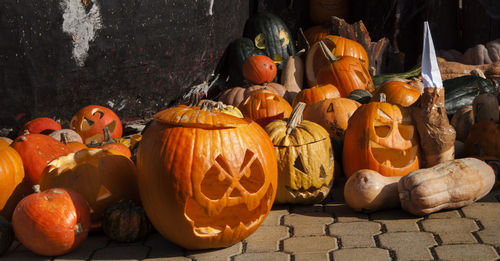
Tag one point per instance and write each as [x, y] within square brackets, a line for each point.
[126, 222]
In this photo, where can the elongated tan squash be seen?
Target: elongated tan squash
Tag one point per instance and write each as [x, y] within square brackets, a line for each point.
[292, 76]
[448, 185]
[367, 191]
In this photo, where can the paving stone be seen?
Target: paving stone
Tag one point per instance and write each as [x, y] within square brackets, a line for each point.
[22, 253]
[313, 244]
[445, 214]
[491, 223]
[354, 228]
[274, 216]
[397, 220]
[121, 253]
[490, 236]
[311, 257]
[162, 248]
[361, 254]
[87, 248]
[343, 213]
[266, 239]
[274, 256]
[409, 245]
[308, 224]
[452, 230]
[356, 241]
[482, 210]
[216, 254]
[466, 252]
[172, 258]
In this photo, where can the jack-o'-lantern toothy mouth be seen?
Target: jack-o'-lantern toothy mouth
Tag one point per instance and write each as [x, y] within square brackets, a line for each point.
[394, 158]
[231, 218]
[310, 193]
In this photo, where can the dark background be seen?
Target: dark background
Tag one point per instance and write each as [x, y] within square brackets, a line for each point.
[148, 53]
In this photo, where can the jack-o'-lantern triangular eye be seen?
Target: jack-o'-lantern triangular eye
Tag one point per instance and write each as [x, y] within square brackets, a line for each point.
[298, 164]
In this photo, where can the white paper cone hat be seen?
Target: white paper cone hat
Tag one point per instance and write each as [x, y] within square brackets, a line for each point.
[431, 76]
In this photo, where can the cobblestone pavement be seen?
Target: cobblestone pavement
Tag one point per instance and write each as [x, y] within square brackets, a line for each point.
[327, 231]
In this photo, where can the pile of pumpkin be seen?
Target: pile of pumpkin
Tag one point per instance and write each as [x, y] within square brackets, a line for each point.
[57, 184]
[208, 172]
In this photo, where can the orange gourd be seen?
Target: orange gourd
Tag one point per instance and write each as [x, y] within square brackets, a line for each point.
[90, 121]
[346, 73]
[36, 150]
[206, 179]
[381, 137]
[397, 92]
[11, 173]
[316, 94]
[52, 222]
[259, 69]
[41, 125]
[338, 46]
[332, 114]
[264, 107]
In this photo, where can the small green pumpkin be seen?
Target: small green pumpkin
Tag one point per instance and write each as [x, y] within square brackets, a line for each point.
[360, 95]
[6, 235]
[126, 222]
[270, 34]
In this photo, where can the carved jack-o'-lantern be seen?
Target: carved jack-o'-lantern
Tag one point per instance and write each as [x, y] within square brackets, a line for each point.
[90, 121]
[305, 159]
[102, 177]
[264, 107]
[206, 179]
[381, 137]
[271, 35]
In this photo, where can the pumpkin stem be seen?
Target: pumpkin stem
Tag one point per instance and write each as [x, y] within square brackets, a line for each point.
[295, 117]
[64, 137]
[107, 135]
[36, 188]
[78, 229]
[383, 97]
[327, 52]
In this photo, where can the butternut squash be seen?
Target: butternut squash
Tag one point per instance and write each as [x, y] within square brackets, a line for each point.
[367, 191]
[448, 185]
[292, 76]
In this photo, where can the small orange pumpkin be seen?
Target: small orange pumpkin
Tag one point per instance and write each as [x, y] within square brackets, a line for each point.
[339, 46]
[41, 125]
[234, 96]
[264, 107]
[316, 94]
[37, 150]
[90, 121]
[397, 92]
[259, 69]
[346, 73]
[332, 114]
[381, 137]
[52, 222]
[11, 173]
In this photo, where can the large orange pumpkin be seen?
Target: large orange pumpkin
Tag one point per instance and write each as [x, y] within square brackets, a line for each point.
[90, 121]
[332, 114]
[37, 150]
[102, 177]
[339, 46]
[316, 94]
[346, 73]
[381, 137]
[11, 173]
[264, 107]
[52, 222]
[398, 92]
[206, 179]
